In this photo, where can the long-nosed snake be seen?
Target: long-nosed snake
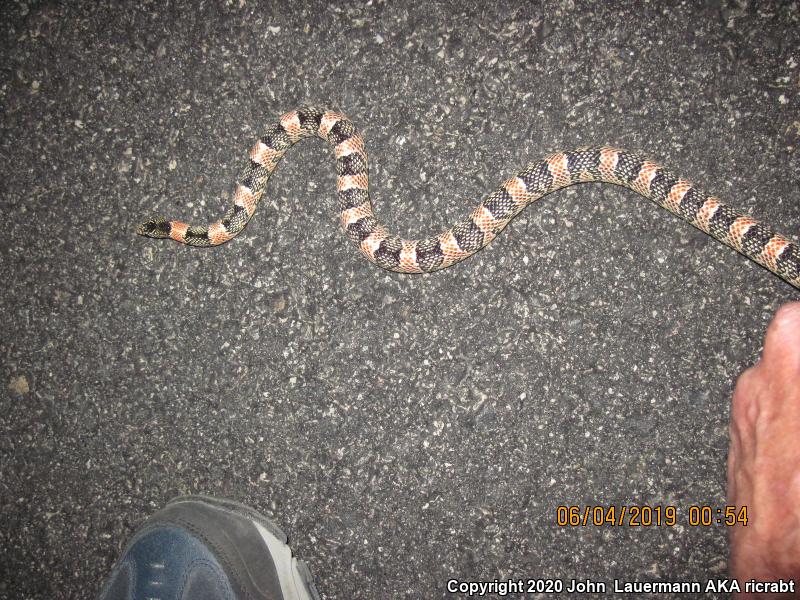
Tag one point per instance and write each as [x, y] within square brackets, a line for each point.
[743, 233]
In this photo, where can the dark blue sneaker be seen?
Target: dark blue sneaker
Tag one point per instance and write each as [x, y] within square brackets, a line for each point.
[201, 548]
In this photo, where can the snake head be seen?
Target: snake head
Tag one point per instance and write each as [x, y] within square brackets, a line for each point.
[156, 228]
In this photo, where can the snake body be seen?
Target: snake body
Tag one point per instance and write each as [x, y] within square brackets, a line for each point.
[610, 165]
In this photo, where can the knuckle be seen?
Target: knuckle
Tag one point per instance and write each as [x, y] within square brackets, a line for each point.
[782, 341]
[746, 383]
[747, 376]
[786, 319]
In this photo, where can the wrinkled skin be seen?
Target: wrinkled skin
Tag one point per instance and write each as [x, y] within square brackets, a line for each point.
[764, 459]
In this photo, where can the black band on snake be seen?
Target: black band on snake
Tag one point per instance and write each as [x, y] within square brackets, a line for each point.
[709, 214]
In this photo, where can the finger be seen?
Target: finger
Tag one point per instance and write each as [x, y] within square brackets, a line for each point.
[782, 341]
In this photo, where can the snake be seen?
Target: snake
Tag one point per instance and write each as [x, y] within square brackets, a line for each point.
[467, 236]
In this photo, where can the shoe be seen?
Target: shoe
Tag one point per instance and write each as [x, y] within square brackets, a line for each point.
[203, 548]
